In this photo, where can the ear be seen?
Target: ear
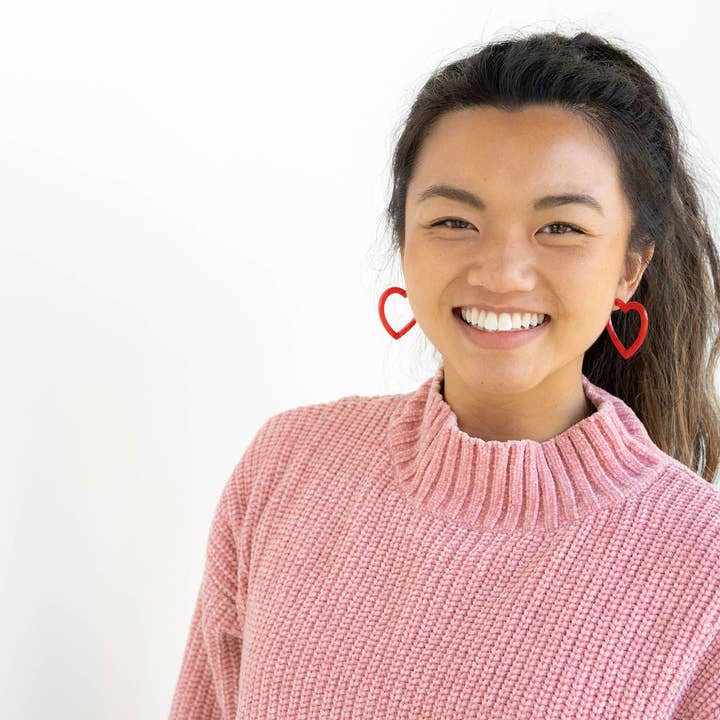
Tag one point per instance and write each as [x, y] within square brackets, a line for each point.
[635, 265]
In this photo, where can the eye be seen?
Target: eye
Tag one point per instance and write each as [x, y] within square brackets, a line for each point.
[566, 225]
[451, 220]
[571, 228]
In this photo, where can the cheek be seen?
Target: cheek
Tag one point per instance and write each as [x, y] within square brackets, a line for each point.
[582, 284]
[588, 313]
[582, 298]
[425, 294]
[425, 277]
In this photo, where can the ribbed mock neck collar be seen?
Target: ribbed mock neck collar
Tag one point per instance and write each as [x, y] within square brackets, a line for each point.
[519, 485]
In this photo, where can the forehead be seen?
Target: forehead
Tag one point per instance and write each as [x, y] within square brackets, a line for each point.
[538, 148]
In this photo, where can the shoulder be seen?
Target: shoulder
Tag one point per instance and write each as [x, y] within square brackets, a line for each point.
[347, 418]
[688, 497]
[312, 443]
[348, 423]
[689, 507]
[690, 486]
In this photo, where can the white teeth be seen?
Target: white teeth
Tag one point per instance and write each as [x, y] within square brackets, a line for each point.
[488, 320]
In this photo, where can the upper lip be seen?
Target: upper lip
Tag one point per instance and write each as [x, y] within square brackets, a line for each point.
[498, 310]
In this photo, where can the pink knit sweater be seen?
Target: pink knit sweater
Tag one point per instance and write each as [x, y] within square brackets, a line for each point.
[369, 559]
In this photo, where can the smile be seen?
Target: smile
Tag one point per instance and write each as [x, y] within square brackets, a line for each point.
[500, 339]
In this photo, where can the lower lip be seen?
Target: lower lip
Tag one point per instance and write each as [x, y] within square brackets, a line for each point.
[502, 340]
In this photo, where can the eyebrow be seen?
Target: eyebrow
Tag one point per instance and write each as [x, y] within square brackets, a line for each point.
[548, 201]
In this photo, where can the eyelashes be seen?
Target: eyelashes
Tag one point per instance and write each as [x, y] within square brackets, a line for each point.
[450, 220]
[572, 228]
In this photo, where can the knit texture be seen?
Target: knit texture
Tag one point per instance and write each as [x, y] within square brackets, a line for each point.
[369, 559]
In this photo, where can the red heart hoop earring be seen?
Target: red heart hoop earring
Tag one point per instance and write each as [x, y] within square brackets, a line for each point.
[381, 309]
[640, 339]
[625, 307]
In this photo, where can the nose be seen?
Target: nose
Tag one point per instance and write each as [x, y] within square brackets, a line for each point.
[504, 265]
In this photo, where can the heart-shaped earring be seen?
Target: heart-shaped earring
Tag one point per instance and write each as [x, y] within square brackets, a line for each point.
[634, 305]
[381, 309]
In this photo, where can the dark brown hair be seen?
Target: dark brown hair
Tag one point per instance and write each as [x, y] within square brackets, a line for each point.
[669, 382]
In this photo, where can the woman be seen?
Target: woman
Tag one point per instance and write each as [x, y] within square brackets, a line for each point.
[525, 535]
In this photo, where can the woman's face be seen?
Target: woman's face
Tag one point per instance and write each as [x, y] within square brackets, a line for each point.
[502, 250]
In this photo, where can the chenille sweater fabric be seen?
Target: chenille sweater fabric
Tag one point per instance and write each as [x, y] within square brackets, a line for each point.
[368, 559]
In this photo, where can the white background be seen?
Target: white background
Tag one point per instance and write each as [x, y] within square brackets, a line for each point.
[192, 240]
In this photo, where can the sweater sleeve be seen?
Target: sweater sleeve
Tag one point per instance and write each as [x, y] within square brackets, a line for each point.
[207, 686]
[701, 700]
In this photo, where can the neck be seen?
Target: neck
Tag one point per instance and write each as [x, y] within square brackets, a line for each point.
[536, 413]
[519, 485]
